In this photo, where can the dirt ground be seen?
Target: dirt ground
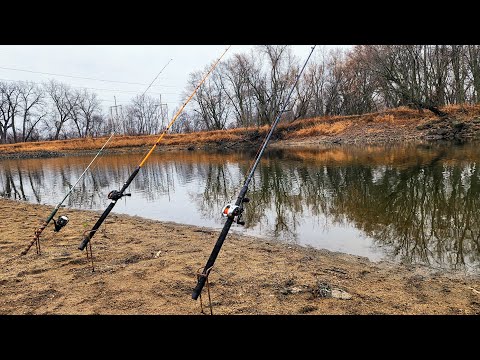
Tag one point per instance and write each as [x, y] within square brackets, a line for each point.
[149, 267]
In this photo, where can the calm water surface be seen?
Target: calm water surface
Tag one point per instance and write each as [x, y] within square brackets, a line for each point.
[412, 204]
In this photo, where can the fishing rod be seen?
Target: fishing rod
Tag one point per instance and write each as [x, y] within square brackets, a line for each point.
[233, 213]
[115, 195]
[62, 220]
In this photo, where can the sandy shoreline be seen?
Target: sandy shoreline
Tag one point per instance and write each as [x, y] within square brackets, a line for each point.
[148, 267]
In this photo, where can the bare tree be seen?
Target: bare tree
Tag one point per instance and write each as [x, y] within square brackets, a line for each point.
[359, 86]
[187, 122]
[312, 88]
[457, 58]
[439, 63]
[473, 63]
[146, 114]
[400, 68]
[33, 105]
[212, 100]
[90, 109]
[315, 77]
[85, 105]
[74, 100]
[64, 102]
[237, 88]
[334, 78]
[129, 125]
[9, 108]
[99, 126]
[271, 89]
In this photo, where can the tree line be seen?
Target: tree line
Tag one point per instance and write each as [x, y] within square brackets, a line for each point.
[249, 88]
[53, 110]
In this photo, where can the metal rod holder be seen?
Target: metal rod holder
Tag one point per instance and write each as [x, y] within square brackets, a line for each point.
[199, 275]
[38, 232]
[89, 257]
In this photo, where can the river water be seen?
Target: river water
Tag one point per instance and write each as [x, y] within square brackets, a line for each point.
[410, 204]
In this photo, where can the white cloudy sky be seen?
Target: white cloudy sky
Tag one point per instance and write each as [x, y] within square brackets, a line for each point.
[119, 64]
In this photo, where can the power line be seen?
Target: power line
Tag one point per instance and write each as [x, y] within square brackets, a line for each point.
[90, 88]
[163, 103]
[111, 90]
[79, 77]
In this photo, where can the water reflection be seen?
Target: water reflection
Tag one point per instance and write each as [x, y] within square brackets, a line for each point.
[412, 204]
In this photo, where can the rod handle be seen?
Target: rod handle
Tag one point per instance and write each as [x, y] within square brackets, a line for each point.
[84, 242]
[36, 237]
[199, 287]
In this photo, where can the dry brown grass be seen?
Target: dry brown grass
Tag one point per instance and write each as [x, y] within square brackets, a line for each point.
[321, 129]
[386, 118]
[301, 128]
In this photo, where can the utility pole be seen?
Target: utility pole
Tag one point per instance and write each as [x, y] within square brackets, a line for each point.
[115, 125]
[163, 114]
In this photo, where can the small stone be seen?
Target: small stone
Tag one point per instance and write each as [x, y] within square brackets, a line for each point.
[295, 290]
[475, 291]
[341, 294]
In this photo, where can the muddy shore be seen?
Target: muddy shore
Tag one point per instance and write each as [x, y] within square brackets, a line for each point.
[149, 267]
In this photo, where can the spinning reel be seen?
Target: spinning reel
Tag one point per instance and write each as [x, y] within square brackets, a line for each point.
[234, 211]
[60, 223]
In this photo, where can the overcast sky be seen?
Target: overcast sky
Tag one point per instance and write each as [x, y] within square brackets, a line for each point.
[120, 65]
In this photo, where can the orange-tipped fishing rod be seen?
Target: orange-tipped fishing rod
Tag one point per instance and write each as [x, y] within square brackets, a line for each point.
[116, 195]
[233, 212]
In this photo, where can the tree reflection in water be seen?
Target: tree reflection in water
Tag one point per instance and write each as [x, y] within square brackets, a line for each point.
[417, 203]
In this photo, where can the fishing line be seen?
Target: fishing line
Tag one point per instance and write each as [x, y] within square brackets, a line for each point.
[156, 77]
[233, 212]
[62, 220]
[116, 195]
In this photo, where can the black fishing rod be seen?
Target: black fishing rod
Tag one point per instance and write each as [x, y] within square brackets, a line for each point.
[234, 212]
[115, 195]
[62, 220]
